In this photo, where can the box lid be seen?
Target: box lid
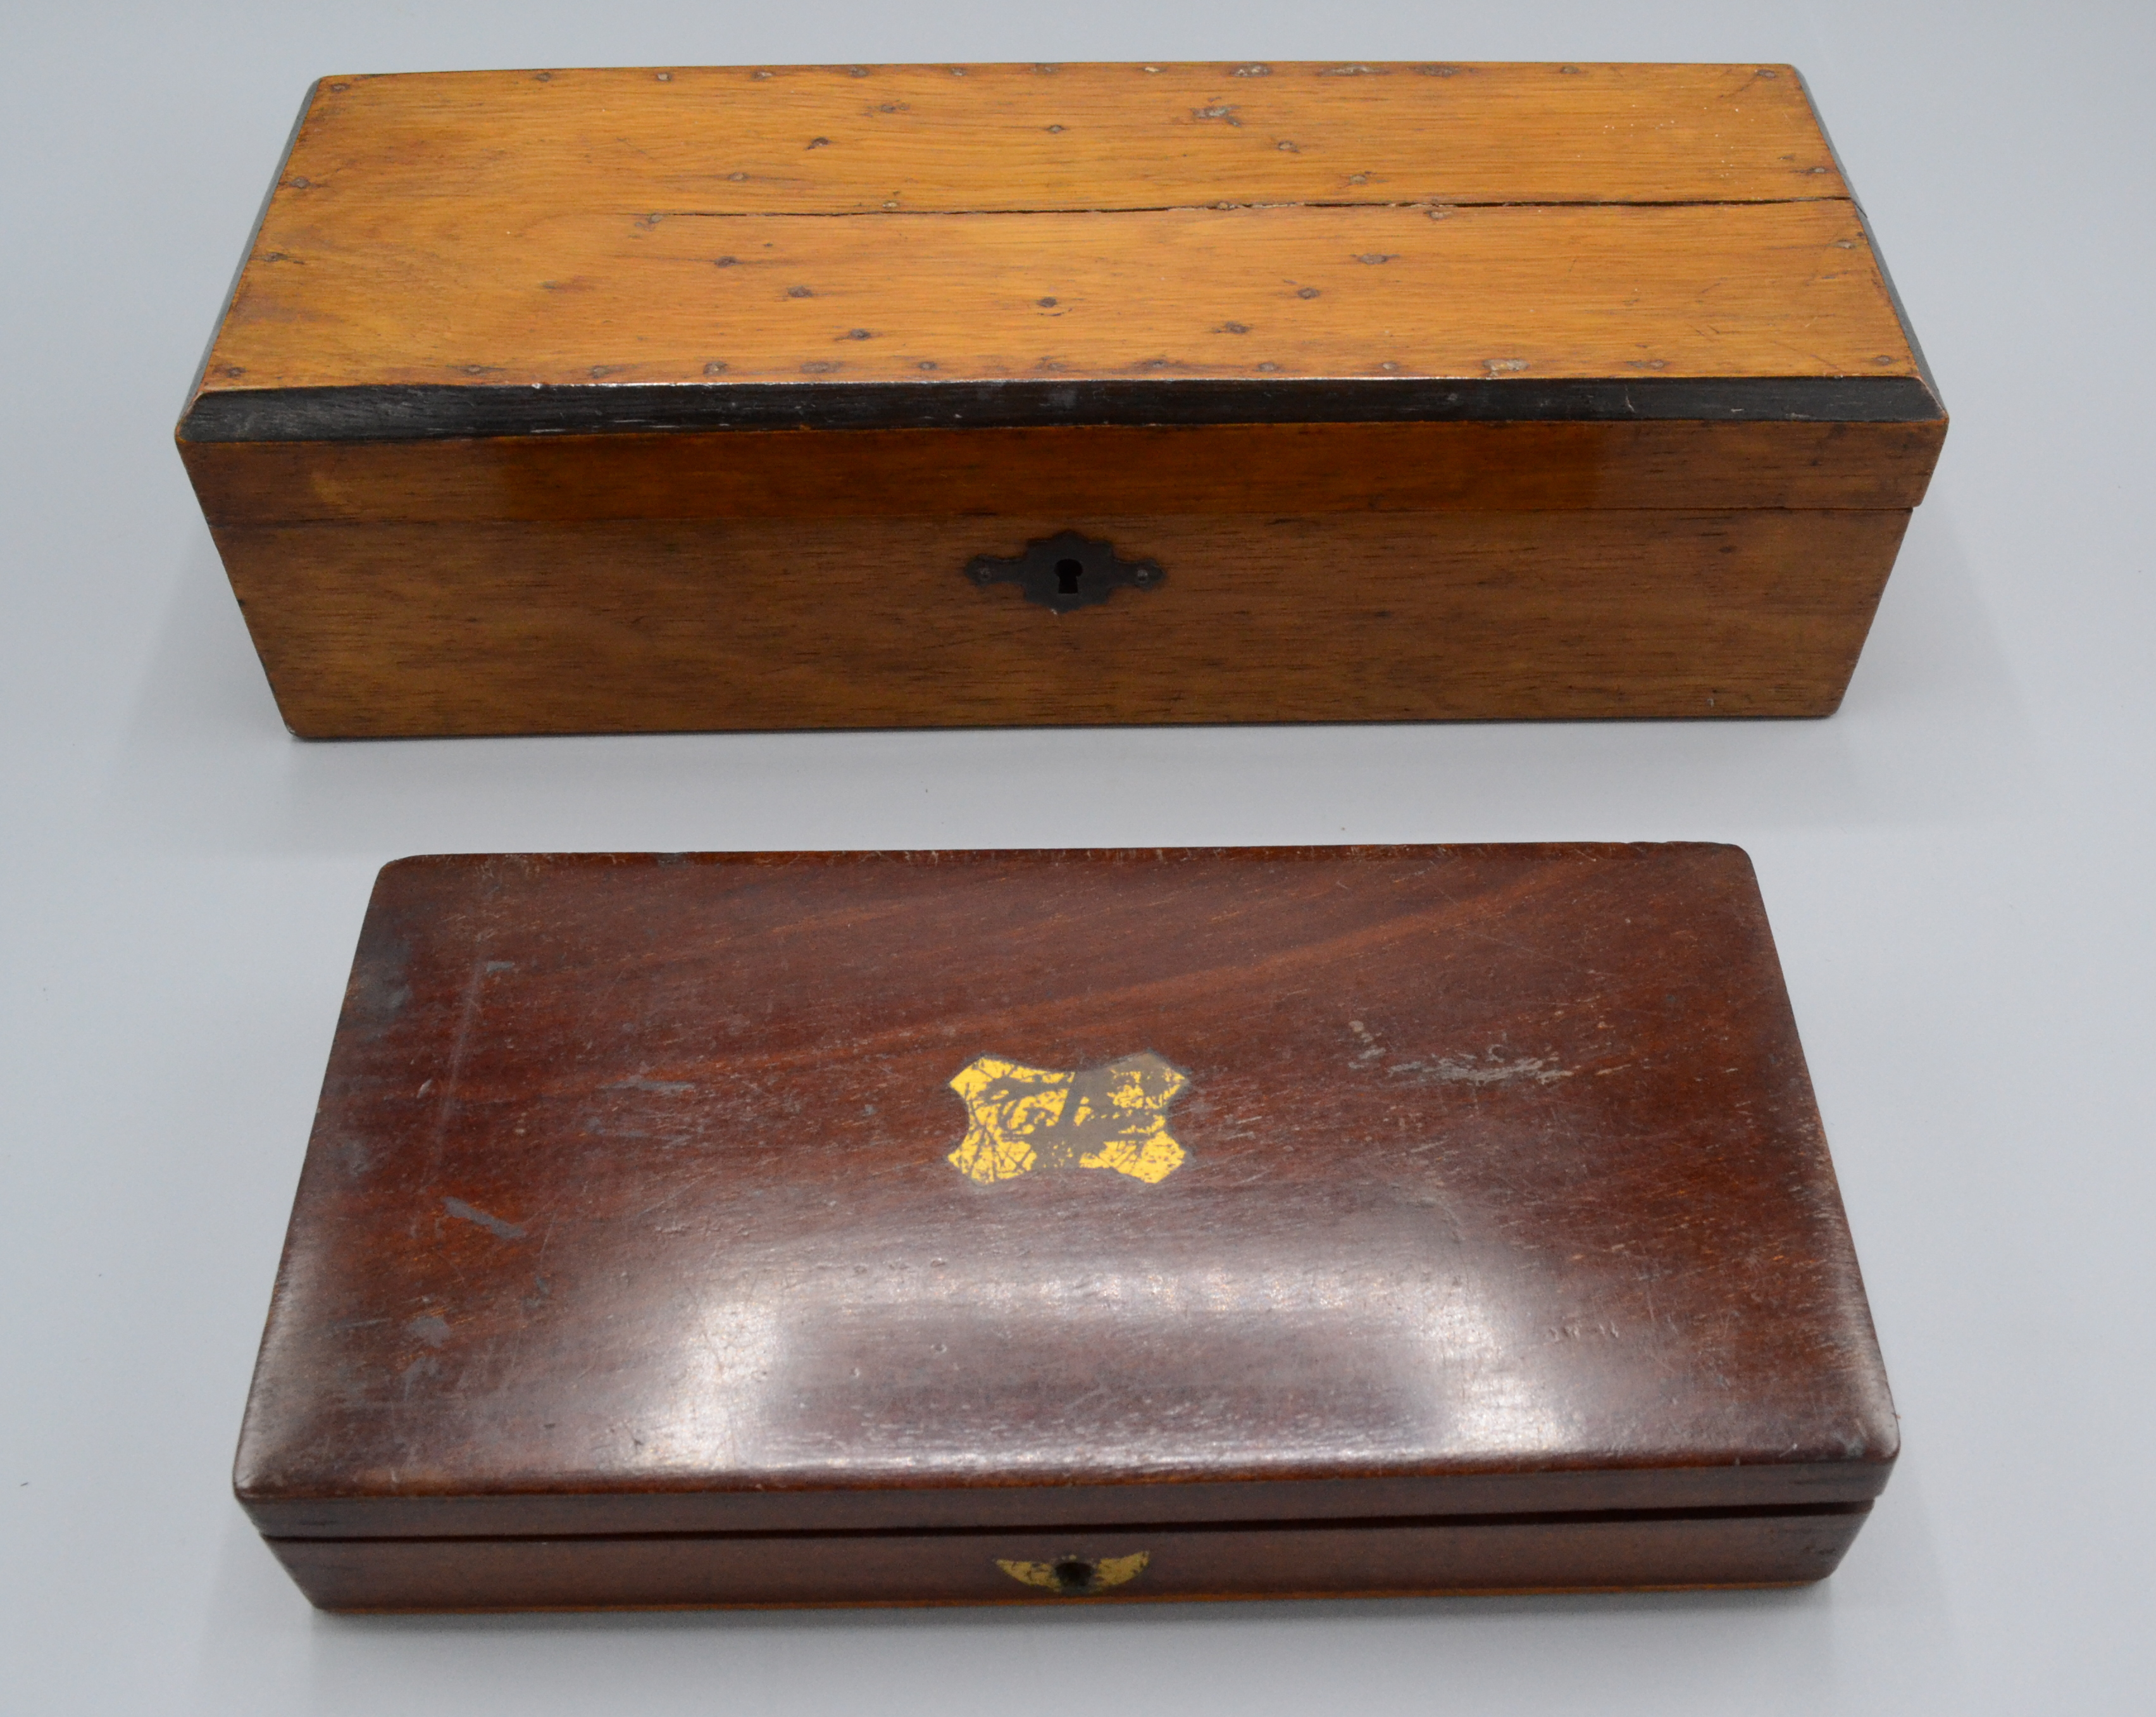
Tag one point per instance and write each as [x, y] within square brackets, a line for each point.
[792, 1192]
[514, 253]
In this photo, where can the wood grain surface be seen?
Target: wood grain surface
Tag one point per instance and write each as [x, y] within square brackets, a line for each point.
[556, 293]
[837, 139]
[915, 227]
[1390, 1560]
[632, 1207]
[1246, 469]
[555, 401]
[375, 630]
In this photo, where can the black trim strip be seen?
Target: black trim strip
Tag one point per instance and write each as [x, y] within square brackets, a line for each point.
[1575, 1517]
[428, 412]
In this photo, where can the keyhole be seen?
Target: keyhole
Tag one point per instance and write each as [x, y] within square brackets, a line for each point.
[1067, 577]
[1073, 1574]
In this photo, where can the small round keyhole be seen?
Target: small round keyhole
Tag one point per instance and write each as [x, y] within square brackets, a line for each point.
[1073, 1574]
[1067, 577]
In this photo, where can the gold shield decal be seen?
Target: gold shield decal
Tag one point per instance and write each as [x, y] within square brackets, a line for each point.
[1113, 1116]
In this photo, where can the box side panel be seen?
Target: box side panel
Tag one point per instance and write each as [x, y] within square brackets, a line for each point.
[1885, 275]
[1075, 1566]
[253, 238]
[1083, 471]
[412, 629]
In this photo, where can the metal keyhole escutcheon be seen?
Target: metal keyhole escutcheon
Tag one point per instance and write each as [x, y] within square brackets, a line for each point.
[1074, 1575]
[1066, 571]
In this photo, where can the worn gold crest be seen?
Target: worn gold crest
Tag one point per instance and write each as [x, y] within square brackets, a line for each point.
[1113, 1116]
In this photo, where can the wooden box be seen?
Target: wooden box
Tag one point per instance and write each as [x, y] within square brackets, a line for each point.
[1040, 1227]
[952, 395]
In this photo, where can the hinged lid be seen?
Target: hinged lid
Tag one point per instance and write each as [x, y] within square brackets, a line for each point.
[511, 253]
[860, 1190]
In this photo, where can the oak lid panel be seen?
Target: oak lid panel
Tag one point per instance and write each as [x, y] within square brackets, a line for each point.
[1771, 290]
[833, 139]
[525, 253]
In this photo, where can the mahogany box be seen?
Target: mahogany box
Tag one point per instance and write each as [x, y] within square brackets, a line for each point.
[1049, 1227]
[951, 395]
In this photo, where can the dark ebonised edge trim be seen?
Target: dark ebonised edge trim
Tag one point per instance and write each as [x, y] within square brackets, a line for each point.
[247, 252]
[1878, 256]
[432, 412]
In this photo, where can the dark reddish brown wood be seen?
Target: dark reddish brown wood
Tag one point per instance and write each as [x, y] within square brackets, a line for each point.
[1493, 1187]
[1388, 1561]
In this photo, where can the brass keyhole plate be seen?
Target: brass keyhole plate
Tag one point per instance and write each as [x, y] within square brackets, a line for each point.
[1074, 1576]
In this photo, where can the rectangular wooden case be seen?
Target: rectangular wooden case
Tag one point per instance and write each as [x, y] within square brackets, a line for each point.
[585, 401]
[1040, 1227]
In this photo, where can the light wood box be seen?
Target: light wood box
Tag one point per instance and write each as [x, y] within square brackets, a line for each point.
[631, 400]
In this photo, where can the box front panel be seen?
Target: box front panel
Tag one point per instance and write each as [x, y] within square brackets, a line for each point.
[378, 630]
[1070, 1567]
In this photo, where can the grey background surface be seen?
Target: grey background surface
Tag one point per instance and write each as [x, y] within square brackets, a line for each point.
[1958, 866]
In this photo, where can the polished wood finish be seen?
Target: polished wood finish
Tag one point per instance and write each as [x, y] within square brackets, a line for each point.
[1501, 1242]
[1388, 1561]
[380, 631]
[1075, 471]
[1277, 324]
